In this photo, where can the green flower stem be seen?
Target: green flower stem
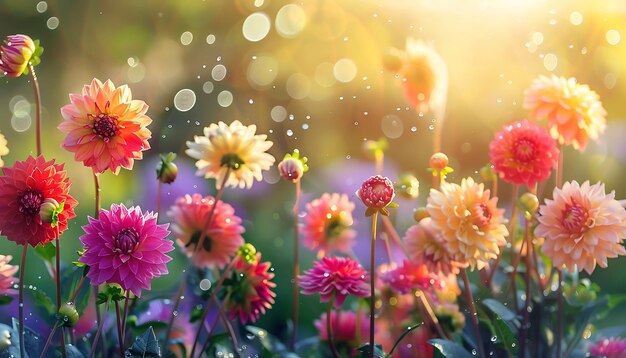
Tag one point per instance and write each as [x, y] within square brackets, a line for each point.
[329, 330]
[474, 315]
[210, 302]
[45, 347]
[158, 208]
[99, 331]
[559, 291]
[125, 315]
[96, 181]
[296, 267]
[120, 337]
[179, 294]
[21, 301]
[372, 282]
[33, 75]
[426, 306]
[210, 329]
[526, 313]
[58, 284]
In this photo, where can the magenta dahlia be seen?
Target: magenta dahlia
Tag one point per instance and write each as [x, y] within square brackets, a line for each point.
[127, 247]
[335, 277]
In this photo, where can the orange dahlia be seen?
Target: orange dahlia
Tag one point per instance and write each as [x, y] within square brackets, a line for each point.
[582, 226]
[105, 127]
[424, 245]
[468, 221]
[573, 111]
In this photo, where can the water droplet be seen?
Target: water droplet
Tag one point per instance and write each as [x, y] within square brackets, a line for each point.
[256, 26]
[219, 72]
[613, 37]
[52, 23]
[207, 87]
[42, 6]
[289, 132]
[495, 338]
[326, 274]
[431, 127]
[186, 38]
[184, 100]
[210, 39]
[225, 98]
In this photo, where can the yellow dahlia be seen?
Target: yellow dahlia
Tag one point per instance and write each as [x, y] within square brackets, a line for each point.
[468, 221]
[582, 226]
[4, 149]
[231, 149]
[573, 111]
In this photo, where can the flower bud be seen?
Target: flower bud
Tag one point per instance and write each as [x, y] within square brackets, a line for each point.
[375, 148]
[292, 167]
[529, 203]
[420, 213]
[247, 252]
[68, 314]
[18, 51]
[376, 193]
[166, 170]
[438, 161]
[393, 59]
[408, 186]
[49, 211]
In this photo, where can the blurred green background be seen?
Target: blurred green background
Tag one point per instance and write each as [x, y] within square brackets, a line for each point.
[310, 75]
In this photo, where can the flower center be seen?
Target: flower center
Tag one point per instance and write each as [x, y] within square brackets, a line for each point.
[30, 202]
[574, 218]
[481, 215]
[105, 126]
[126, 241]
[232, 161]
[335, 225]
[524, 150]
[206, 244]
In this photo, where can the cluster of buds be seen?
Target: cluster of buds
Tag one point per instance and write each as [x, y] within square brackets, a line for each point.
[247, 252]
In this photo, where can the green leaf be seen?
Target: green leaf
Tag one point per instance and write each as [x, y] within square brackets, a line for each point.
[499, 309]
[73, 352]
[46, 252]
[5, 299]
[43, 300]
[156, 325]
[449, 349]
[196, 313]
[406, 331]
[270, 343]
[32, 341]
[219, 345]
[504, 334]
[145, 345]
[364, 351]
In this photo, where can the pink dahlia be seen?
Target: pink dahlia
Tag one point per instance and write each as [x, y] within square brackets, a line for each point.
[573, 111]
[247, 294]
[327, 224]
[376, 193]
[335, 277]
[24, 189]
[469, 222]
[222, 237]
[609, 348]
[16, 53]
[523, 153]
[105, 127]
[125, 246]
[408, 277]
[424, 245]
[6, 275]
[345, 325]
[582, 226]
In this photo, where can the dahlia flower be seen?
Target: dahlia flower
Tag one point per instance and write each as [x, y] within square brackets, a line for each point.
[6, 275]
[609, 348]
[17, 52]
[327, 224]
[344, 326]
[231, 149]
[4, 149]
[126, 247]
[24, 188]
[423, 73]
[335, 277]
[408, 277]
[424, 245]
[468, 221]
[573, 111]
[247, 294]
[105, 127]
[376, 193]
[222, 238]
[523, 153]
[582, 226]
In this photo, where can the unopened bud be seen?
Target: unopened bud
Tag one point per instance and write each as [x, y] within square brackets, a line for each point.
[529, 203]
[438, 161]
[292, 167]
[247, 252]
[487, 173]
[166, 170]
[408, 186]
[49, 211]
[420, 213]
[68, 314]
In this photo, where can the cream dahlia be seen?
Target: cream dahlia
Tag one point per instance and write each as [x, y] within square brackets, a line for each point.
[573, 111]
[327, 224]
[4, 149]
[105, 127]
[222, 237]
[582, 226]
[232, 149]
[469, 221]
[6, 275]
[523, 153]
[424, 245]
